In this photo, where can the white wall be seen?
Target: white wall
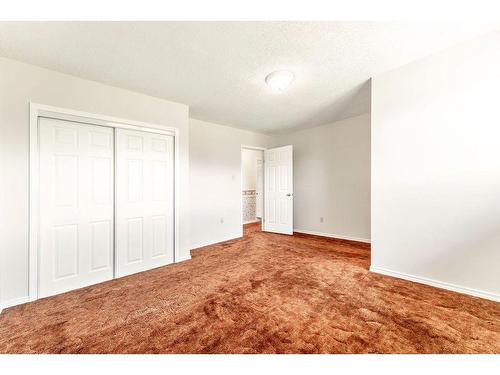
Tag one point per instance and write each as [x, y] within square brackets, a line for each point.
[332, 178]
[215, 180]
[436, 169]
[249, 160]
[21, 83]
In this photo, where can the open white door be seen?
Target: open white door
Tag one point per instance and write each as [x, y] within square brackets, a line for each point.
[278, 190]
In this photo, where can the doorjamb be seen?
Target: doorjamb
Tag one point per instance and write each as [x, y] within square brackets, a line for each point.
[41, 110]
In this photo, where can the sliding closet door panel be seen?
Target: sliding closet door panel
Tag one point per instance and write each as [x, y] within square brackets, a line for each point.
[145, 201]
[76, 205]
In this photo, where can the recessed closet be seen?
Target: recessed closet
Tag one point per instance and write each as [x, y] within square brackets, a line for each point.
[105, 202]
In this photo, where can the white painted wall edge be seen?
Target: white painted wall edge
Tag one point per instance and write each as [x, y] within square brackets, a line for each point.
[332, 235]
[208, 243]
[437, 284]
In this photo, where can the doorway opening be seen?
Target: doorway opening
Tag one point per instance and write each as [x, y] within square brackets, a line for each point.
[252, 187]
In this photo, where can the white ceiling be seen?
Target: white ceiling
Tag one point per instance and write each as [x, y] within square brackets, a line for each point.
[218, 68]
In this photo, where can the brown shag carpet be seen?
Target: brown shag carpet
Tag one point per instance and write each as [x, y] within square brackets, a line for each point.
[265, 293]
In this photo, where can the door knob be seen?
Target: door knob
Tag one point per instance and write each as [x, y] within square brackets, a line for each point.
[289, 195]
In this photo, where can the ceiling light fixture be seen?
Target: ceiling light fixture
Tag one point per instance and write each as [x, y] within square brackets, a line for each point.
[280, 79]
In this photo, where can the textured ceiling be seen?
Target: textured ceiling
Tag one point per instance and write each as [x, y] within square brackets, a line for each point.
[218, 68]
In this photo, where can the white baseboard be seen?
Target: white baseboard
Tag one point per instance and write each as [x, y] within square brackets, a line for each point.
[182, 259]
[208, 243]
[331, 235]
[14, 302]
[251, 222]
[437, 284]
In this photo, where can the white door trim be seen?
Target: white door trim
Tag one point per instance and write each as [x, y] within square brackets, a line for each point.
[41, 110]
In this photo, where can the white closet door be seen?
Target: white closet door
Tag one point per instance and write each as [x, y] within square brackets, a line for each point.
[144, 201]
[278, 190]
[76, 205]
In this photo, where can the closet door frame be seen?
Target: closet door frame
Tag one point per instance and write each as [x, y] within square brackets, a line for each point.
[41, 110]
